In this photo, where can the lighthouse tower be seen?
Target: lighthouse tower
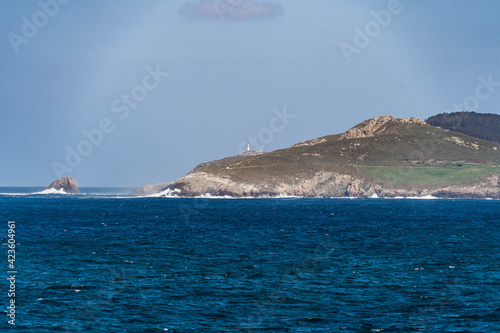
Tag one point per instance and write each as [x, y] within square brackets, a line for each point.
[248, 146]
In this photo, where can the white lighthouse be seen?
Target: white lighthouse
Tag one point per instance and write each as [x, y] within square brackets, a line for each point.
[251, 152]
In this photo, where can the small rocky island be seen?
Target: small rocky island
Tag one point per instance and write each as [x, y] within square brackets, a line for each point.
[67, 184]
[380, 157]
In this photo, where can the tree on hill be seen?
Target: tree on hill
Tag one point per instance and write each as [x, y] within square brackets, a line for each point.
[484, 126]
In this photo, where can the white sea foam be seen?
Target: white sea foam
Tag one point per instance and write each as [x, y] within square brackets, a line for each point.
[425, 197]
[281, 196]
[48, 191]
[51, 191]
[14, 194]
[176, 193]
[167, 193]
[86, 196]
[289, 196]
[209, 196]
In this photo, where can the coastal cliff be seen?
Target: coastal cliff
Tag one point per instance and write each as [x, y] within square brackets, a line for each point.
[381, 157]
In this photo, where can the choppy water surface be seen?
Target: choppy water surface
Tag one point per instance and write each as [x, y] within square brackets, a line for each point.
[100, 263]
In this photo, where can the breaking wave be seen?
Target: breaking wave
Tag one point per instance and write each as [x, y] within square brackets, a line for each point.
[51, 191]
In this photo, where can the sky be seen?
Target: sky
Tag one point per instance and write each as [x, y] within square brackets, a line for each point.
[127, 93]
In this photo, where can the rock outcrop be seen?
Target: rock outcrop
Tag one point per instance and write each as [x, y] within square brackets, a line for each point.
[67, 184]
[377, 125]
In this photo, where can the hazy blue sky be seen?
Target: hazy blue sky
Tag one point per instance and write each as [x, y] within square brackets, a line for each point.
[142, 91]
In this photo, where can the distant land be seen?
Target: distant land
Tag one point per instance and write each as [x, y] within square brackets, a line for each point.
[380, 157]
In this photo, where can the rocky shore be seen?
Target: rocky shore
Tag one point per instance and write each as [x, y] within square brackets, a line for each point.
[323, 184]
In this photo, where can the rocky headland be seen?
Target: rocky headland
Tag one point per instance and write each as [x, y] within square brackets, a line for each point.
[381, 157]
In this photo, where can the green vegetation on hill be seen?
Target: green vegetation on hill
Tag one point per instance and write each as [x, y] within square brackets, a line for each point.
[429, 175]
[479, 125]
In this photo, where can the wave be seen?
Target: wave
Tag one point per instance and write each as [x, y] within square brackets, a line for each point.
[210, 196]
[425, 197]
[176, 193]
[50, 191]
[44, 192]
[14, 194]
[167, 193]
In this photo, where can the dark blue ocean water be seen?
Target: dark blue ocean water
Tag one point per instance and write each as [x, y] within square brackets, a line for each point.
[110, 263]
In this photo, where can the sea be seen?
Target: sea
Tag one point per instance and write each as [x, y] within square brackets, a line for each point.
[105, 261]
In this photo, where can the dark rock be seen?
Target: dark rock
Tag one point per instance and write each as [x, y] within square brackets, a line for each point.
[67, 184]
